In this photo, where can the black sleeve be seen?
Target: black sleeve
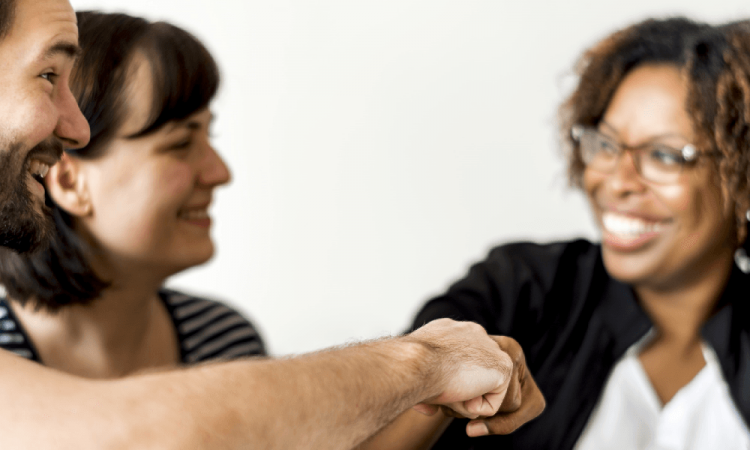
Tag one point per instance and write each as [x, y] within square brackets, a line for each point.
[509, 293]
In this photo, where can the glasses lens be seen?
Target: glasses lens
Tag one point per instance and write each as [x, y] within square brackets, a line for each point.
[598, 151]
[661, 164]
[657, 163]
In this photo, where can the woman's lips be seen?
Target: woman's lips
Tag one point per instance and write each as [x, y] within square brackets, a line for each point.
[196, 216]
[628, 233]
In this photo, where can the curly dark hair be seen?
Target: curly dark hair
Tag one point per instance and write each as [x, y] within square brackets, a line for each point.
[185, 78]
[715, 61]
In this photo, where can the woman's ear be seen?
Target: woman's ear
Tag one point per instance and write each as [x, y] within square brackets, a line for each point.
[67, 186]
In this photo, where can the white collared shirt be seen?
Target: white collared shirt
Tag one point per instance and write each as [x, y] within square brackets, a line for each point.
[629, 414]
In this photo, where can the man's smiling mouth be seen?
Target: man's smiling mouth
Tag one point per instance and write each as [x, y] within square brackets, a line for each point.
[38, 169]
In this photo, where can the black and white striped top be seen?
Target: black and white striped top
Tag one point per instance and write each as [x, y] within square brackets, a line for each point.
[206, 330]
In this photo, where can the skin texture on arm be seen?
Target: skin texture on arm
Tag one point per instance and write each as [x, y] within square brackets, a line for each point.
[332, 399]
[410, 431]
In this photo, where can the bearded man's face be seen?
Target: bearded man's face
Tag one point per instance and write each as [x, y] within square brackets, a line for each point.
[38, 115]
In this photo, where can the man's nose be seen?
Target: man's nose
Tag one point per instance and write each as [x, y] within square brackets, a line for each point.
[72, 128]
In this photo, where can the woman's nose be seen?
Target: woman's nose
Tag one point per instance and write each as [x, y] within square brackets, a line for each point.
[214, 171]
[625, 178]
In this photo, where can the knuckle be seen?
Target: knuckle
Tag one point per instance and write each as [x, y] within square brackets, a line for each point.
[441, 322]
[541, 405]
[506, 363]
[516, 401]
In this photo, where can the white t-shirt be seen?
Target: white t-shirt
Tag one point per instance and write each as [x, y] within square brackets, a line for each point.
[629, 414]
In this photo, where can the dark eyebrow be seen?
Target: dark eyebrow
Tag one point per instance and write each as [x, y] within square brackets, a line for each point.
[610, 127]
[652, 139]
[72, 51]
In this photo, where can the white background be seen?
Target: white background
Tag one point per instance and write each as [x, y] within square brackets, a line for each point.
[380, 147]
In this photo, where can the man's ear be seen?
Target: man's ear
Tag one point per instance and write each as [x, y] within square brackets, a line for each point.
[67, 186]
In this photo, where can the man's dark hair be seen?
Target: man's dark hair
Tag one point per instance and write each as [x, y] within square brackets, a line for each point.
[185, 79]
[7, 16]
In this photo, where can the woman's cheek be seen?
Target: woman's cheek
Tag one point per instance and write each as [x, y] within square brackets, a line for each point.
[591, 180]
[176, 179]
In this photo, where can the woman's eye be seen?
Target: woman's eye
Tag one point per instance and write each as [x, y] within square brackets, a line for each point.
[666, 156]
[607, 145]
[181, 145]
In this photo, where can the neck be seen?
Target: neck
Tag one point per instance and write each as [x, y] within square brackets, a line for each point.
[679, 312]
[118, 333]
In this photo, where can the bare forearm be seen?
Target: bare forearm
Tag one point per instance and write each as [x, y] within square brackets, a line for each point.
[331, 399]
[410, 431]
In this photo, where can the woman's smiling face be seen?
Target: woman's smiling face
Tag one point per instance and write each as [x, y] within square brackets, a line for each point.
[657, 235]
[149, 195]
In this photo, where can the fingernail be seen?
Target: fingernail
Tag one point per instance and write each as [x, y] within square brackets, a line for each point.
[475, 429]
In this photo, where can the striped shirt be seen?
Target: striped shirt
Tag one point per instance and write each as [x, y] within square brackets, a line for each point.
[206, 330]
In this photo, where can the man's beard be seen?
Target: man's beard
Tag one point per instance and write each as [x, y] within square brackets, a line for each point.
[23, 227]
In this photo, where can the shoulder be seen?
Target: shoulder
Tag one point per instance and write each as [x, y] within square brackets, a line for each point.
[542, 257]
[532, 264]
[209, 329]
[519, 284]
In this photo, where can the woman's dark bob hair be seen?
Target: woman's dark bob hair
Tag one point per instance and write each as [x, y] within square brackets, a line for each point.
[185, 79]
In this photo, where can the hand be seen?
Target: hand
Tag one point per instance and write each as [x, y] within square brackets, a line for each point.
[471, 372]
[523, 401]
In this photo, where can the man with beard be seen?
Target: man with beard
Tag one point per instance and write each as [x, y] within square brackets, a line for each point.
[38, 115]
[330, 399]
[25, 223]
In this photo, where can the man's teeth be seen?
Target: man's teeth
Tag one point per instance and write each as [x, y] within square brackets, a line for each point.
[194, 214]
[38, 168]
[628, 226]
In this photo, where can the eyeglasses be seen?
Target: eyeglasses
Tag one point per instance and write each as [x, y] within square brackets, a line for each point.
[654, 162]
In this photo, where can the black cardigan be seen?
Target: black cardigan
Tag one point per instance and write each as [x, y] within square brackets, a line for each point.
[574, 322]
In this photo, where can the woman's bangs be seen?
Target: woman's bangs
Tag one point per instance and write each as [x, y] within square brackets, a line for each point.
[185, 76]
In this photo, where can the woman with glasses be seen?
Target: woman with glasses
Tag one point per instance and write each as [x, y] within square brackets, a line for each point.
[641, 341]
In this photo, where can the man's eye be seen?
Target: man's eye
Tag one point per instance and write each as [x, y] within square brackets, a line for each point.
[49, 76]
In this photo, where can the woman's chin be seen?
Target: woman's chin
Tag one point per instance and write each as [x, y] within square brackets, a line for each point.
[629, 268]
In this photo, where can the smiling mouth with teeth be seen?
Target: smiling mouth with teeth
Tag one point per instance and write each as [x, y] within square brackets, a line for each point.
[196, 216]
[628, 232]
[38, 170]
[628, 226]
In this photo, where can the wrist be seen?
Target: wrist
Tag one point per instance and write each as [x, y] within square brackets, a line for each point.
[422, 359]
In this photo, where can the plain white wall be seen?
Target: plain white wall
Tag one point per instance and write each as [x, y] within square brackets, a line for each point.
[378, 148]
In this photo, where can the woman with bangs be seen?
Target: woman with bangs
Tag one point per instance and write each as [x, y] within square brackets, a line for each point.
[131, 209]
[641, 341]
